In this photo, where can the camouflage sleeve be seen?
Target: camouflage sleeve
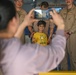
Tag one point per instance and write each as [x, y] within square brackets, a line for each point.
[22, 16]
[73, 29]
[61, 12]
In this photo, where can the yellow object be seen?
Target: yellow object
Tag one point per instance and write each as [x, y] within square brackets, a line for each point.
[40, 38]
[59, 73]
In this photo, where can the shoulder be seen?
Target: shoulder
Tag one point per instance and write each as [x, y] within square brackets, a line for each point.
[36, 33]
[23, 11]
[13, 42]
[75, 9]
[11, 46]
[44, 34]
[63, 10]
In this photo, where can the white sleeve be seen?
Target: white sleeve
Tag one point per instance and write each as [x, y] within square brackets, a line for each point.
[43, 59]
[49, 57]
[31, 59]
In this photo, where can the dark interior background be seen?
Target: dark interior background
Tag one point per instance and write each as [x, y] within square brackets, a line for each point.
[29, 4]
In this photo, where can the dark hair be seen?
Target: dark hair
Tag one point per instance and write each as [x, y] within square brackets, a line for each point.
[7, 12]
[17, 0]
[45, 4]
[41, 22]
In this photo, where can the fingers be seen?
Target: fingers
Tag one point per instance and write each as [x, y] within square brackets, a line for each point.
[31, 12]
[53, 12]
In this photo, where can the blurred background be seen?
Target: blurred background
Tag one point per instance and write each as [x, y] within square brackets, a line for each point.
[35, 3]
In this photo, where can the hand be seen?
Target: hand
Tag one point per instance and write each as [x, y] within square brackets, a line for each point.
[57, 19]
[66, 35]
[29, 18]
[33, 40]
[32, 34]
[49, 40]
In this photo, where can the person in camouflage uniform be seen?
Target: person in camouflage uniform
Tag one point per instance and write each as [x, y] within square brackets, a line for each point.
[69, 16]
[22, 13]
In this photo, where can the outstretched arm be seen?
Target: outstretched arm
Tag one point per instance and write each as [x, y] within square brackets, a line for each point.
[28, 20]
[46, 58]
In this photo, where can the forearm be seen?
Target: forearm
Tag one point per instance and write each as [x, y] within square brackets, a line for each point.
[50, 36]
[53, 55]
[51, 32]
[20, 31]
[60, 30]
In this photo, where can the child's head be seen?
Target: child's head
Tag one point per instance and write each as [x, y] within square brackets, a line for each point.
[41, 25]
[44, 5]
